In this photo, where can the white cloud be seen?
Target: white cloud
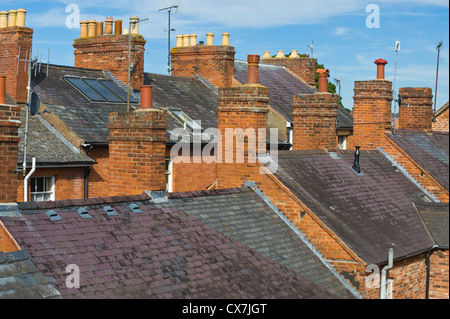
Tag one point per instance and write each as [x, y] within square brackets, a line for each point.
[341, 31]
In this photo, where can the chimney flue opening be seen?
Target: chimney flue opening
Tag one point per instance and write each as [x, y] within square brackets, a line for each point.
[356, 166]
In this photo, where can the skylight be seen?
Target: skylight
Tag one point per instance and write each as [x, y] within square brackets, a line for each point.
[100, 90]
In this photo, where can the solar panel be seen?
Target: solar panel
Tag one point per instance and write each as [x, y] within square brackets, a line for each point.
[104, 91]
[118, 91]
[86, 89]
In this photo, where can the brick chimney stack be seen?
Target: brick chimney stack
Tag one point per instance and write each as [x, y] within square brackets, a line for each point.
[372, 110]
[97, 48]
[9, 148]
[416, 111]
[137, 148]
[15, 38]
[242, 114]
[213, 62]
[304, 67]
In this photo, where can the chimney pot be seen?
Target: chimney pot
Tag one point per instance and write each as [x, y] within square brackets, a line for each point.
[186, 40]
[294, 55]
[253, 65]
[193, 40]
[266, 55]
[92, 28]
[210, 39]
[3, 19]
[280, 55]
[134, 25]
[118, 27]
[21, 13]
[380, 68]
[146, 96]
[323, 79]
[12, 18]
[179, 41]
[2, 89]
[83, 29]
[225, 38]
[109, 25]
[99, 28]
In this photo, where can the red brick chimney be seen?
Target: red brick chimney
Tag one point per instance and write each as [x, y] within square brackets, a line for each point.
[213, 62]
[416, 111]
[9, 148]
[137, 148]
[303, 67]
[315, 118]
[15, 38]
[372, 110]
[241, 110]
[97, 48]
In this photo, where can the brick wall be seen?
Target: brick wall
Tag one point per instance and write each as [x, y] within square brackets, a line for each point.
[416, 109]
[439, 288]
[9, 147]
[137, 146]
[305, 68]
[69, 182]
[315, 121]
[215, 63]
[11, 39]
[371, 112]
[98, 177]
[440, 124]
[192, 174]
[7, 243]
[110, 52]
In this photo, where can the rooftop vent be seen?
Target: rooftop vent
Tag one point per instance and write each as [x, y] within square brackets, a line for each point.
[110, 211]
[53, 215]
[355, 166]
[83, 213]
[135, 208]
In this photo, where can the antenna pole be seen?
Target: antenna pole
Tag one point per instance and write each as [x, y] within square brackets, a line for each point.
[129, 66]
[397, 47]
[437, 75]
[169, 29]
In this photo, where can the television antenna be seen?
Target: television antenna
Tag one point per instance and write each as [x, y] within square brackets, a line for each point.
[169, 30]
[337, 79]
[438, 48]
[311, 49]
[396, 99]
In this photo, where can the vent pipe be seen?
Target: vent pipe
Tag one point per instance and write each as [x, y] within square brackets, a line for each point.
[356, 166]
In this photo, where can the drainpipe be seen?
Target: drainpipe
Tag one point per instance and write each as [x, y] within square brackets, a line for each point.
[25, 182]
[384, 272]
[87, 171]
[428, 262]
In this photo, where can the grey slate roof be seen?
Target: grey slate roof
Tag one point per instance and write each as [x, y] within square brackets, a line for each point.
[246, 218]
[21, 279]
[150, 253]
[48, 145]
[281, 83]
[435, 219]
[430, 151]
[370, 212]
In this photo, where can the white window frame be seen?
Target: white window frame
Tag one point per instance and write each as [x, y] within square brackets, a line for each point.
[34, 193]
[342, 145]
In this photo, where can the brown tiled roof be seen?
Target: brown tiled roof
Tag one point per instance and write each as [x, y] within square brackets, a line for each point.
[371, 212]
[150, 253]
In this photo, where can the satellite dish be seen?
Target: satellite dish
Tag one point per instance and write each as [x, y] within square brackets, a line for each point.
[399, 100]
[35, 103]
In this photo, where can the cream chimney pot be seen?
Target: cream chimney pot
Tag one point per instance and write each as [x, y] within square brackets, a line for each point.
[179, 41]
[266, 55]
[134, 25]
[83, 29]
[109, 25]
[210, 39]
[280, 55]
[92, 28]
[21, 13]
[225, 38]
[126, 31]
[12, 18]
[193, 40]
[3, 19]
[186, 40]
[294, 55]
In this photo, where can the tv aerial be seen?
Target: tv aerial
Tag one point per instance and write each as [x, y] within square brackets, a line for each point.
[169, 30]
[396, 99]
[311, 49]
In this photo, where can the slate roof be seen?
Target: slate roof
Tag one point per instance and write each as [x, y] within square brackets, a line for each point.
[150, 253]
[371, 212]
[48, 145]
[87, 119]
[441, 110]
[430, 151]
[435, 219]
[21, 279]
[281, 83]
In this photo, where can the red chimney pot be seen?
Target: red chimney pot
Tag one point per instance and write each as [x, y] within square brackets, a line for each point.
[380, 68]
[253, 64]
[2, 89]
[146, 96]
[323, 79]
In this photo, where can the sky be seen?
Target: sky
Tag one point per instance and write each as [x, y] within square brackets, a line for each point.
[347, 35]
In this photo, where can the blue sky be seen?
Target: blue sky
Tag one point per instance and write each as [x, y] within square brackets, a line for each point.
[342, 40]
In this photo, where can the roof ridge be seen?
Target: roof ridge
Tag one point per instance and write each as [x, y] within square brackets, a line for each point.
[211, 192]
